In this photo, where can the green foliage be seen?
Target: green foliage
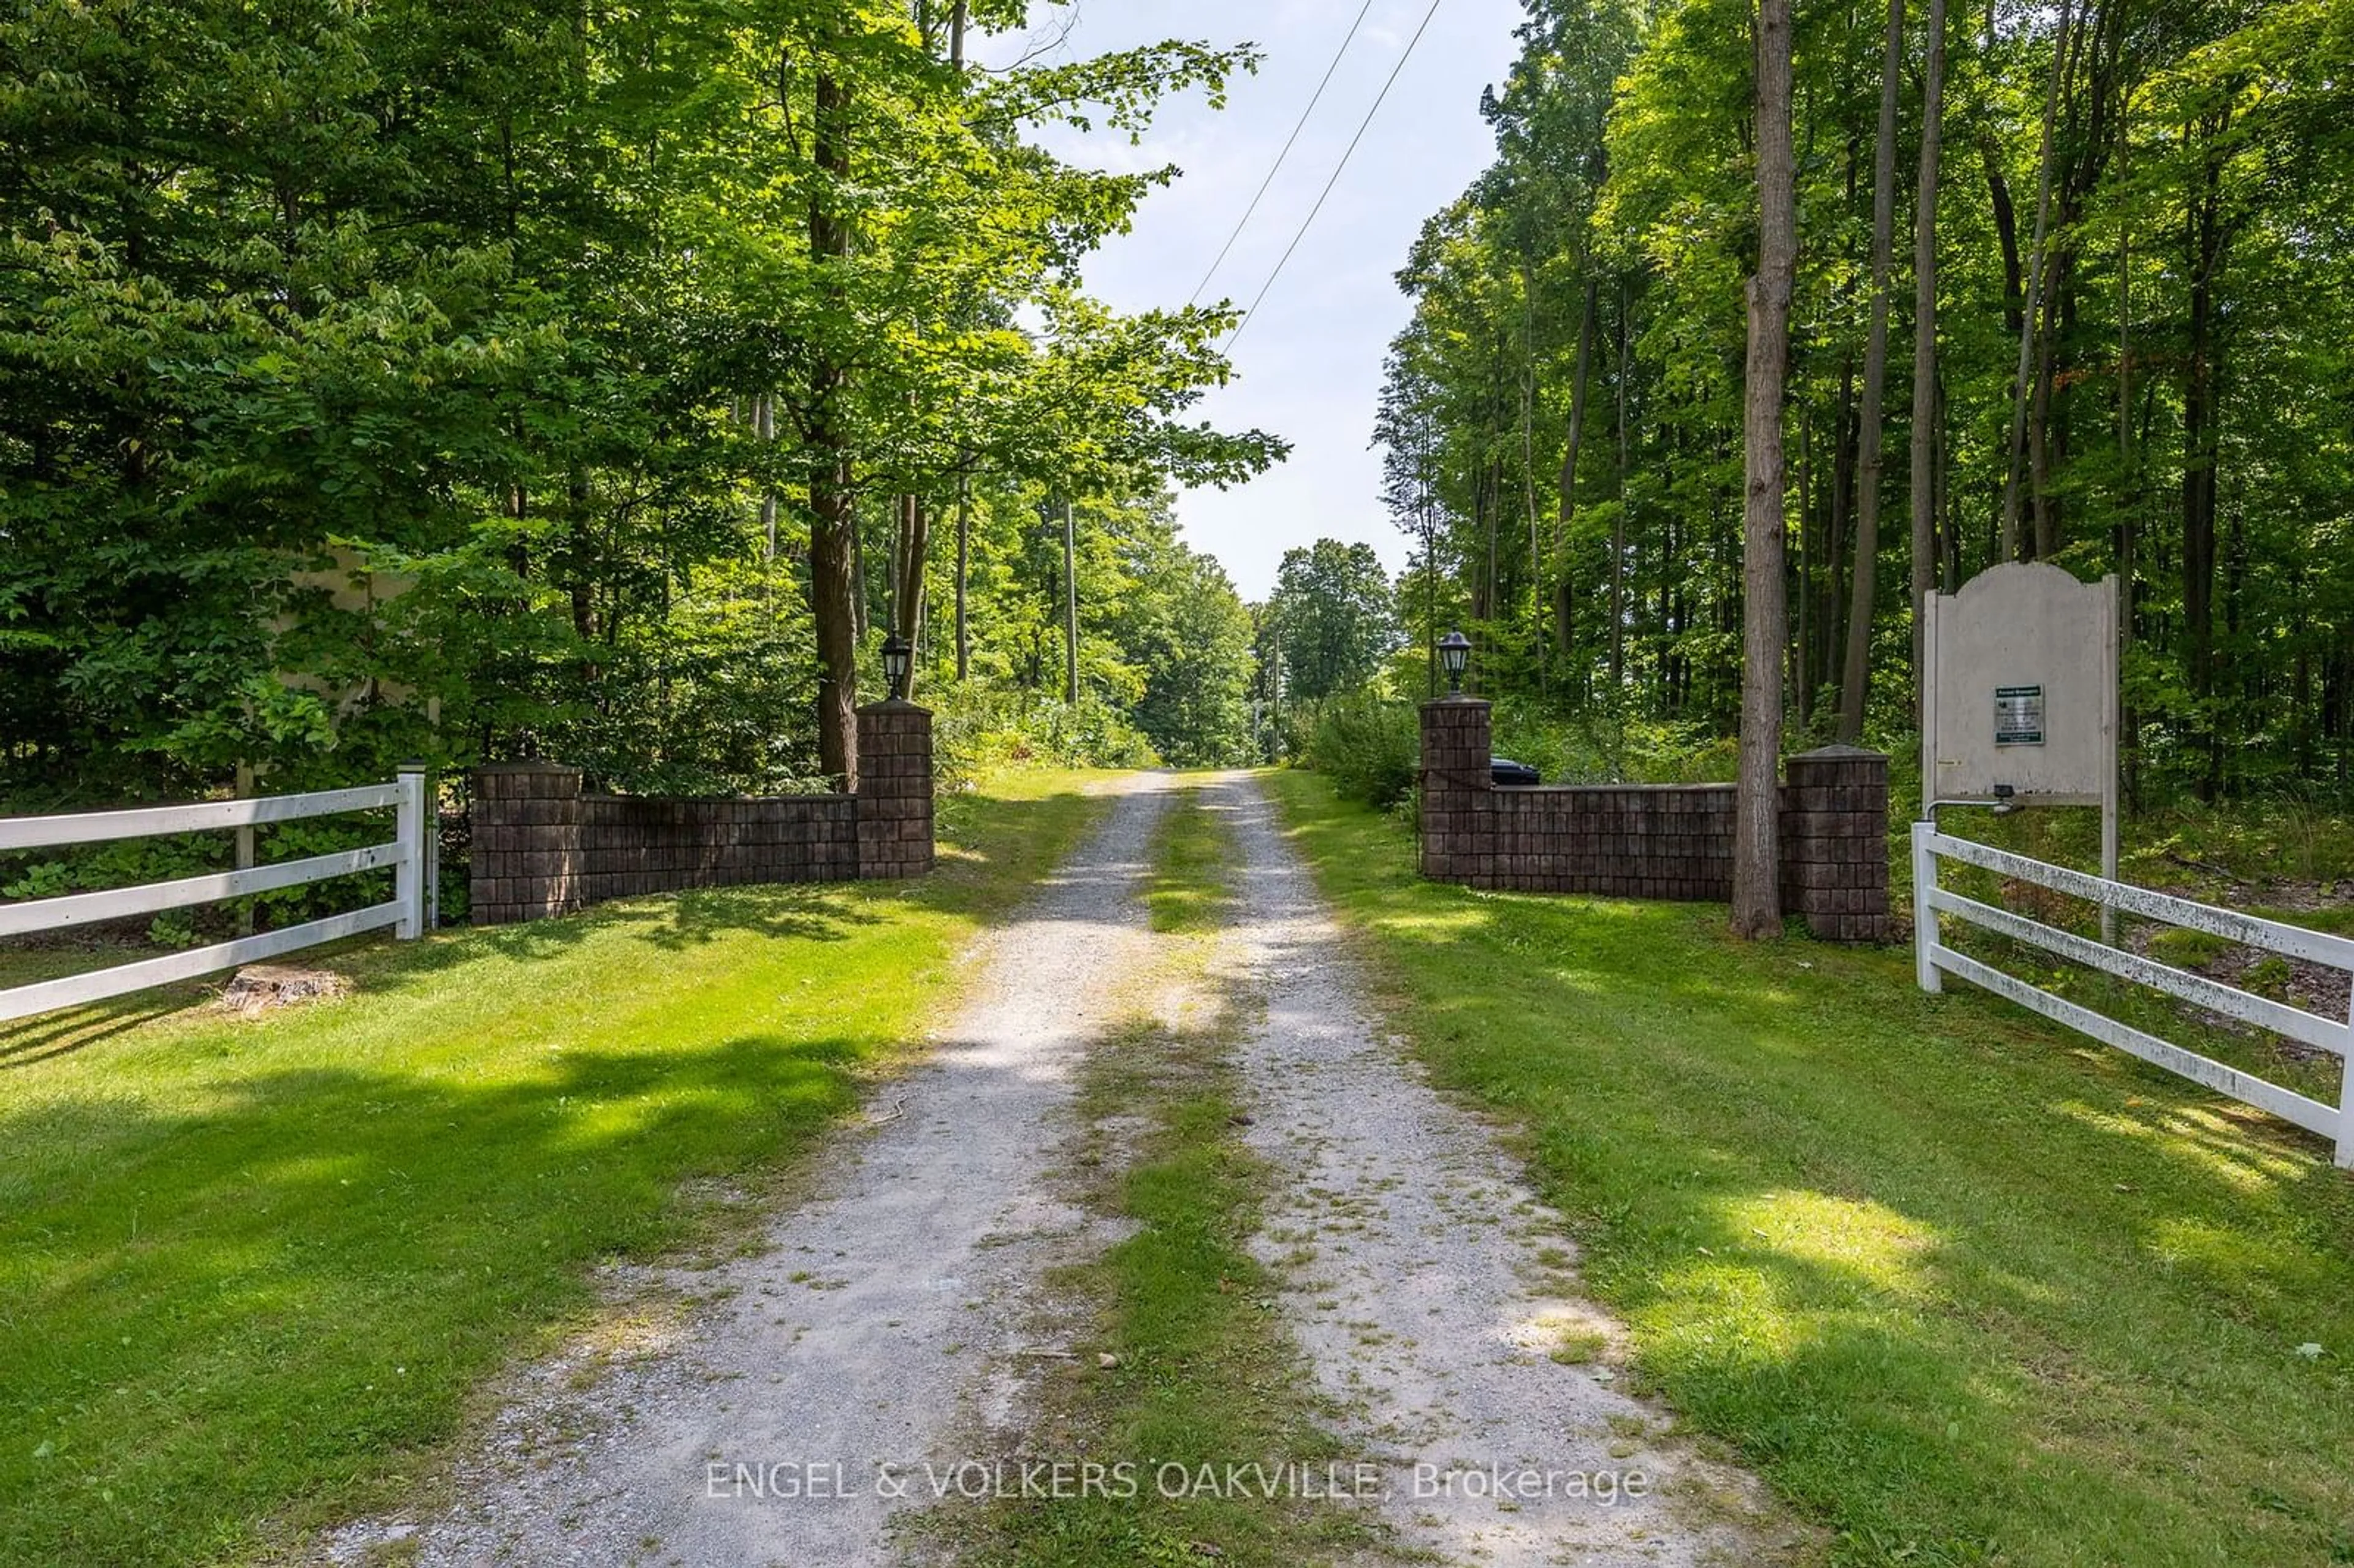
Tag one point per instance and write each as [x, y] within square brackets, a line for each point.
[409, 380]
[2197, 296]
[1368, 746]
[1602, 748]
[1330, 614]
[976, 728]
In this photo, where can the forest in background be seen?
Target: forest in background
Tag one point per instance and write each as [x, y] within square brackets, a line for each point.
[603, 383]
[2136, 361]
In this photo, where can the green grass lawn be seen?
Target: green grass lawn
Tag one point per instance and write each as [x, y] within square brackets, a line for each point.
[251, 1272]
[1964, 1287]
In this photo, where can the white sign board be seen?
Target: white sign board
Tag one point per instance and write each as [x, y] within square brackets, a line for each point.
[2020, 697]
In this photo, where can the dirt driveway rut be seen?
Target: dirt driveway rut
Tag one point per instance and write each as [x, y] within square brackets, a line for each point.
[1422, 1284]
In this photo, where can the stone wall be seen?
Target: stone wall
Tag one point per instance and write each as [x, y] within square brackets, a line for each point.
[543, 847]
[1628, 840]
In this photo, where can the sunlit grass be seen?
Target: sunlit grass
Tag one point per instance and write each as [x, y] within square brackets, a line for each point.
[1960, 1285]
[1187, 891]
[253, 1270]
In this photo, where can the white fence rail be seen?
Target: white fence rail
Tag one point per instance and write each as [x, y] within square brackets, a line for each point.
[410, 853]
[1934, 961]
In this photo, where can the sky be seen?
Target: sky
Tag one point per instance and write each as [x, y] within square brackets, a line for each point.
[1308, 368]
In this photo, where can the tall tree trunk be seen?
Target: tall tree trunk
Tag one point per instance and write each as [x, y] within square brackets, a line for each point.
[1840, 547]
[1921, 480]
[2005, 234]
[1492, 503]
[1564, 518]
[2015, 453]
[834, 526]
[1802, 665]
[1070, 607]
[1619, 524]
[1756, 848]
[1529, 470]
[1854, 685]
[2203, 241]
[907, 595]
[964, 564]
[957, 17]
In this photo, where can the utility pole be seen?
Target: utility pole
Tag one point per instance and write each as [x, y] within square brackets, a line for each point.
[1070, 608]
[1275, 684]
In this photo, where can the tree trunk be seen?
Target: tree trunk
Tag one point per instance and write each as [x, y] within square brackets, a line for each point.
[2013, 542]
[907, 595]
[1619, 524]
[1921, 482]
[1070, 607]
[1854, 685]
[764, 428]
[1840, 547]
[1756, 883]
[2204, 240]
[964, 558]
[1802, 666]
[833, 509]
[1529, 470]
[1562, 518]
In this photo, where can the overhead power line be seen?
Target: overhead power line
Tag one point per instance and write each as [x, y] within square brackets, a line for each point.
[1337, 170]
[1274, 168]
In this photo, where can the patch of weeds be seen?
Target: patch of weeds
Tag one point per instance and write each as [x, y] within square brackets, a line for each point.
[1190, 849]
[1578, 1346]
[2186, 948]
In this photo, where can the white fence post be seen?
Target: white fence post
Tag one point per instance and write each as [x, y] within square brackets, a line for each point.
[410, 875]
[2346, 1094]
[1924, 909]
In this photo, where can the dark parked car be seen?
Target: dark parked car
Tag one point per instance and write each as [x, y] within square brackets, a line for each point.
[1511, 775]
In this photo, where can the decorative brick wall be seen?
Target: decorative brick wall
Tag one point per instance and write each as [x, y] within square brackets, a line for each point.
[895, 790]
[542, 847]
[1634, 840]
[1835, 842]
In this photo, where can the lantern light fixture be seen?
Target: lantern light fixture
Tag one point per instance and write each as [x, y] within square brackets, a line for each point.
[1454, 656]
[897, 657]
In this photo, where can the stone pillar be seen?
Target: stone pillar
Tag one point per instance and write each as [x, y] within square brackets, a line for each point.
[1835, 844]
[526, 843]
[1459, 793]
[895, 790]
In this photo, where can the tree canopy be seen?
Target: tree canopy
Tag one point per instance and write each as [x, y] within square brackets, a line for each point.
[403, 379]
[2136, 366]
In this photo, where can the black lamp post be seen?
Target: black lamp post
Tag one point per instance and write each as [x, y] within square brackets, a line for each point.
[896, 656]
[1453, 655]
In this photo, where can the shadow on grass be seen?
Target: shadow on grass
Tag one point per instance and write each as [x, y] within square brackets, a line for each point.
[309, 1266]
[56, 1035]
[1963, 1284]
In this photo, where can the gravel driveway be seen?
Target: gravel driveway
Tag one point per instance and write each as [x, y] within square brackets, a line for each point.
[790, 1409]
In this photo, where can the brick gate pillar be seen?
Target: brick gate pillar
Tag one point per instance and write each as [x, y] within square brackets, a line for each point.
[1459, 793]
[525, 858]
[895, 790]
[1835, 842]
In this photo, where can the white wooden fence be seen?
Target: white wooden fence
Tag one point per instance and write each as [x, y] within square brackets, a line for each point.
[410, 853]
[1935, 959]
